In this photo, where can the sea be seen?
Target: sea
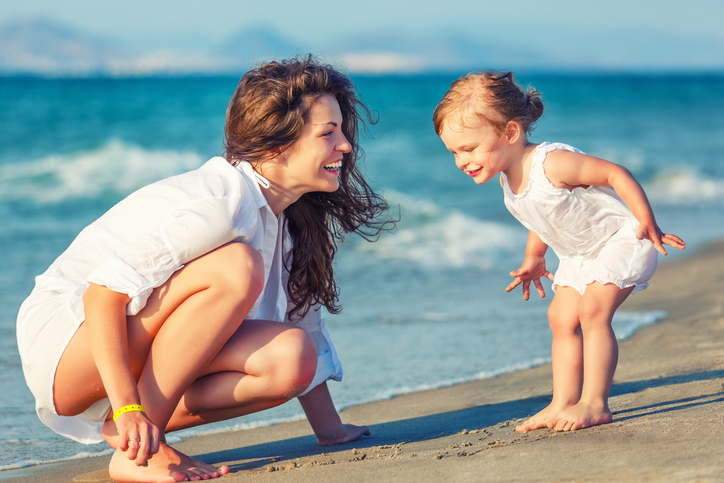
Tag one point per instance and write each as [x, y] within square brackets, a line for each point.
[424, 306]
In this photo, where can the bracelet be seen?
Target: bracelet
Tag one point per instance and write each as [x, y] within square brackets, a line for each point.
[128, 409]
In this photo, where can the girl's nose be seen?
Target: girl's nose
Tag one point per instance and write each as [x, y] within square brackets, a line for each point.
[460, 162]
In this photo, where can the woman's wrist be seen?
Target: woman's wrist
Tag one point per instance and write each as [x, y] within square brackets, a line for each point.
[127, 409]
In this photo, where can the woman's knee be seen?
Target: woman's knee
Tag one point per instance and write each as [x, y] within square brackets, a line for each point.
[295, 358]
[235, 268]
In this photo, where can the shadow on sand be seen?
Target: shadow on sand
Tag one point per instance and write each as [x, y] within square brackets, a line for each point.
[448, 423]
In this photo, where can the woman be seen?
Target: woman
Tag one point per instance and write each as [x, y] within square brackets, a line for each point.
[186, 304]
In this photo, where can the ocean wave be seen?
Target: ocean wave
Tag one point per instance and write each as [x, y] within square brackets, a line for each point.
[684, 187]
[626, 323]
[432, 237]
[115, 167]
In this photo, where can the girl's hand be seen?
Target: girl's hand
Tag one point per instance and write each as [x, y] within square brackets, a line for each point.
[138, 437]
[533, 268]
[650, 231]
[346, 434]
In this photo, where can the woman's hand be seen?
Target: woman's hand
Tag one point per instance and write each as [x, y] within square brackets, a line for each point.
[325, 421]
[344, 434]
[138, 437]
[533, 268]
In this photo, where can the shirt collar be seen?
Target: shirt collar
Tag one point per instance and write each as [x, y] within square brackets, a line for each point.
[256, 181]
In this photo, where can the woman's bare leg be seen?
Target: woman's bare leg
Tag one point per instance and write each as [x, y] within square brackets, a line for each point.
[184, 325]
[263, 365]
[567, 356]
[600, 357]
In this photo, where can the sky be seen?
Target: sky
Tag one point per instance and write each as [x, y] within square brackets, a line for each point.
[623, 33]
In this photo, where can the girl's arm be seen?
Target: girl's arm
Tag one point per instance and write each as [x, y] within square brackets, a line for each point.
[566, 169]
[533, 268]
[325, 421]
[105, 319]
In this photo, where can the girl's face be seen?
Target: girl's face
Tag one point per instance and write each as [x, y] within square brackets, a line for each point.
[479, 149]
[313, 162]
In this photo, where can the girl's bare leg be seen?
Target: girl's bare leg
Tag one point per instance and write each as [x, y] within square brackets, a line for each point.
[600, 357]
[185, 324]
[567, 355]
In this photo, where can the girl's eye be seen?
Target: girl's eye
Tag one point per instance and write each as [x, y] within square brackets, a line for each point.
[469, 150]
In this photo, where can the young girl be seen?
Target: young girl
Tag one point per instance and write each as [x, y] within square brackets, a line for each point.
[593, 214]
[178, 306]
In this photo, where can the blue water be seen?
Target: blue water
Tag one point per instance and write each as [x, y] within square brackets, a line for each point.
[423, 307]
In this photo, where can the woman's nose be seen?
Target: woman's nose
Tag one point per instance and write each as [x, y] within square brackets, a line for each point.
[344, 146]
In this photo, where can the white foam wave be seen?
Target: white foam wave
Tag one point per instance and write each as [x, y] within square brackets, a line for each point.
[431, 237]
[626, 323]
[684, 187]
[77, 456]
[115, 167]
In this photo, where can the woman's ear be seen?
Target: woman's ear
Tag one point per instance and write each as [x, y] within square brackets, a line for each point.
[512, 132]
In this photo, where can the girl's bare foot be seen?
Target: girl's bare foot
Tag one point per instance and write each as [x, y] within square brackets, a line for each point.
[581, 415]
[541, 419]
[166, 466]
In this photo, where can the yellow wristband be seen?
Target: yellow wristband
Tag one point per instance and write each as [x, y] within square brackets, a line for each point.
[128, 409]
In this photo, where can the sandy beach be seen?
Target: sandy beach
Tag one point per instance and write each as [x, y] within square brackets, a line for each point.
[667, 399]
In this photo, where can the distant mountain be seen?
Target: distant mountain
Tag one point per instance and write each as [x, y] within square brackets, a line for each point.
[255, 44]
[45, 47]
[41, 46]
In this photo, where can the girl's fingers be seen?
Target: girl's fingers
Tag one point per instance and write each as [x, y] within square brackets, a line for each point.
[539, 286]
[513, 284]
[673, 240]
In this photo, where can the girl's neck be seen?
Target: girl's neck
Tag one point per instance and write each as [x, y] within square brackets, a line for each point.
[518, 169]
[519, 153]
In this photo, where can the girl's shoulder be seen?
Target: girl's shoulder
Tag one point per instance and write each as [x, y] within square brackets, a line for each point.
[542, 150]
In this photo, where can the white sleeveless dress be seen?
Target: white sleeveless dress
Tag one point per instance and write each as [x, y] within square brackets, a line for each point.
[591, 230]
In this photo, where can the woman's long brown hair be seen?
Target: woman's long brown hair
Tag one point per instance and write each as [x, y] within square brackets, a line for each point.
[266, 113]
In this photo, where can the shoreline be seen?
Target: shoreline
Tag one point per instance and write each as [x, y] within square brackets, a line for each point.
[666, 397]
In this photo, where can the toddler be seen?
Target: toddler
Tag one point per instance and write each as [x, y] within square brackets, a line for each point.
[591, 212]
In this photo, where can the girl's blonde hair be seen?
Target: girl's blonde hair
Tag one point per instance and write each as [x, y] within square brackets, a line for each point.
[494, 97]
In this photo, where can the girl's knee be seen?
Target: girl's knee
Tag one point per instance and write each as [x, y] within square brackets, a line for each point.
[562, 321]
[594, 315]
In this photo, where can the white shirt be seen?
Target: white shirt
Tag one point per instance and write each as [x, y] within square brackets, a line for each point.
[137, 245]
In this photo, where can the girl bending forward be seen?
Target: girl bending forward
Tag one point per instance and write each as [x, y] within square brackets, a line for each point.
[594, 215]
[197, 298]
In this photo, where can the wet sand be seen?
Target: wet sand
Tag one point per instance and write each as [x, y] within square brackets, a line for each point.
[667, 399]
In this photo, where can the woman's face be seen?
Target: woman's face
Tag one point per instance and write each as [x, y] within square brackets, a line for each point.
[313, 162]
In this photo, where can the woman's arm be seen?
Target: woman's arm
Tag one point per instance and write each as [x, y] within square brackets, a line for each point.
[533, 268]
[325, 420]
[105, 320]
[566, 169]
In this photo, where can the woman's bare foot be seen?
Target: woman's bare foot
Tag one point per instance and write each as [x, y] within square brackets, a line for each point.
[166, 466]
[581, 415]
[541, 419]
